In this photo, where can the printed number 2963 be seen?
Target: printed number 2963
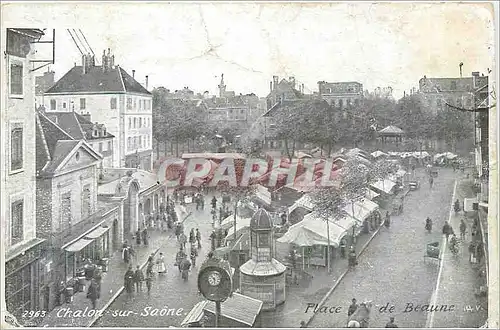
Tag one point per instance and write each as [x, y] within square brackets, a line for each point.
[30, 314]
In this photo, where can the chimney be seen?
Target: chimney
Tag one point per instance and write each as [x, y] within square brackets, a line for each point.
[133, 74]
[460, 67]
[112, 61]
[147, 82]
[302, 86]
[292, 81]
[104, 60]
[86, 116]
[275, 82]
[270, 86]
[84, 63]
[475, 74]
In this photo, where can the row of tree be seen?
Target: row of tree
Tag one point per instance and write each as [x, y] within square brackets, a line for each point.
[314, 121]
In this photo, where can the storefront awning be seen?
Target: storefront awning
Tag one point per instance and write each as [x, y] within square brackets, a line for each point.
[384, 185]
[78, 245]
[98, 232]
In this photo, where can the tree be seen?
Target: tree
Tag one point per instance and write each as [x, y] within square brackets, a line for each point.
[452, 126]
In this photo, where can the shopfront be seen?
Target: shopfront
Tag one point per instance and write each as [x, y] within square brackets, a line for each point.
[22, 280]
[91, 248]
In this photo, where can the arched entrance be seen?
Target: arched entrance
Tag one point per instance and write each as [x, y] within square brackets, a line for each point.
[147, 206]
[114, 237]
[130, 215]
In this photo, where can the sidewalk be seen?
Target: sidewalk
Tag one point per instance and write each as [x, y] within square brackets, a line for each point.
[458, 279]
[111, 286]
[320, 287]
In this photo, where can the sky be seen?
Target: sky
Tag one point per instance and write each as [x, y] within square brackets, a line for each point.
[191, 44]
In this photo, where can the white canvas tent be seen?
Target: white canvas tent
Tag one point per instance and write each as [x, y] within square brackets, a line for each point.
[378, 153]
[385, 185]
[360, 210]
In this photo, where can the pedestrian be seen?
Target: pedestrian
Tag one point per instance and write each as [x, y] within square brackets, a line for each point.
[149, 267]
[145, 236]
[192, 236]
[214, 203]
[198, 238]
[283, 218]
[352, 308]
[129, 280]
[149, 282]
[138, 278]
[463, 229]
[160, 263]
[352, 257]
[202, 202]
[98, 279]
[431, 181]
[193, 255]
[178, 230]
[343, 245]
[93, 293]
[472, 252]
[447, 230]
[213, 237]
[182, 240]
[126, 255]
[138, 237]
[391, 323]
[179, 257]
[479, 252]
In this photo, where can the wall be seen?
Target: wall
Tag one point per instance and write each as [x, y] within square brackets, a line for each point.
[19, 184]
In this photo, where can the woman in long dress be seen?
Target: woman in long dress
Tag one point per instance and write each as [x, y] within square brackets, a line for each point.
[162, 269]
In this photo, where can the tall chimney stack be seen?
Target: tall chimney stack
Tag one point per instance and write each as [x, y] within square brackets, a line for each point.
[302, 88]
[84, 64]
[460, 66]
[275, 82]
[147, 78]
[270, 86]
[133, 74]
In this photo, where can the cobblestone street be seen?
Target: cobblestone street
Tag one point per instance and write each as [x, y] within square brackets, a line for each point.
[393, 270]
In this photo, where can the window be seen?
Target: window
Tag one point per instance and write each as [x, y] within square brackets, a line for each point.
[65, 223]
[16, 226]
[135, 103]
[86, 202]
[453, 85]
[100, 147]
[140, 105]
[129, 143]
[112, 103]
[64, 105]
[18, 286]
[104, 131]
[16, 79]
[52, 104]
[16, 149]
[140, 122]
[82, 104]
[130, 123]
[110, 145]
[129, 103]
[135, 122]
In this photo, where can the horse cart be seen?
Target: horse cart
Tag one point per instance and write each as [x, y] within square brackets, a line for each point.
[432, 251]
[361, 317]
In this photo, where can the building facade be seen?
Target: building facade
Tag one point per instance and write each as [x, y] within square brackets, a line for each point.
[69, 217]
[114, 98]
[437, 92]
[341, 94]
[23, 250]
[80, 127]
[42, 84]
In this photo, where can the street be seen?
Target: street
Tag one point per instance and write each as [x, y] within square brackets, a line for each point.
[168, 291]
[393, 271]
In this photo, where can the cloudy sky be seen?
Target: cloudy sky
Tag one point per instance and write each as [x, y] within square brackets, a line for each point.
[191, 44]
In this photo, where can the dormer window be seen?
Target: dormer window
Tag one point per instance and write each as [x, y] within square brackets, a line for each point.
[104, 131]
[95, 132]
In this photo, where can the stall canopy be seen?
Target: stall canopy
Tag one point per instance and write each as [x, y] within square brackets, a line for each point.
[238, 307]
[447, 155]
[385, 185]
[360, 210]
[305, 202]
[195, 314]
[240, 222]
[378, 153]
[313, 231]
[98, 232]
[78, 245]
[370, 194]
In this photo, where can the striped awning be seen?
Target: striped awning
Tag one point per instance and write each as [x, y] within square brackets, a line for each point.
[98, 232]
[78, 245]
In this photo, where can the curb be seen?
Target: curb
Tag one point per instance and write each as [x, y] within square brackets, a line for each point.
[329, 293]
[116, 295]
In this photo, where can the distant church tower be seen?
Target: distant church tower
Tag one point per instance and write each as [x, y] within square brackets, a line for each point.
[222, 87]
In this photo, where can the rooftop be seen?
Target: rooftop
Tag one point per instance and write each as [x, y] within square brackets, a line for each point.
[97, 80]
[77, 126]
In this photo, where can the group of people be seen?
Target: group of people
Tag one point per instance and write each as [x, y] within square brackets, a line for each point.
[354, 306]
